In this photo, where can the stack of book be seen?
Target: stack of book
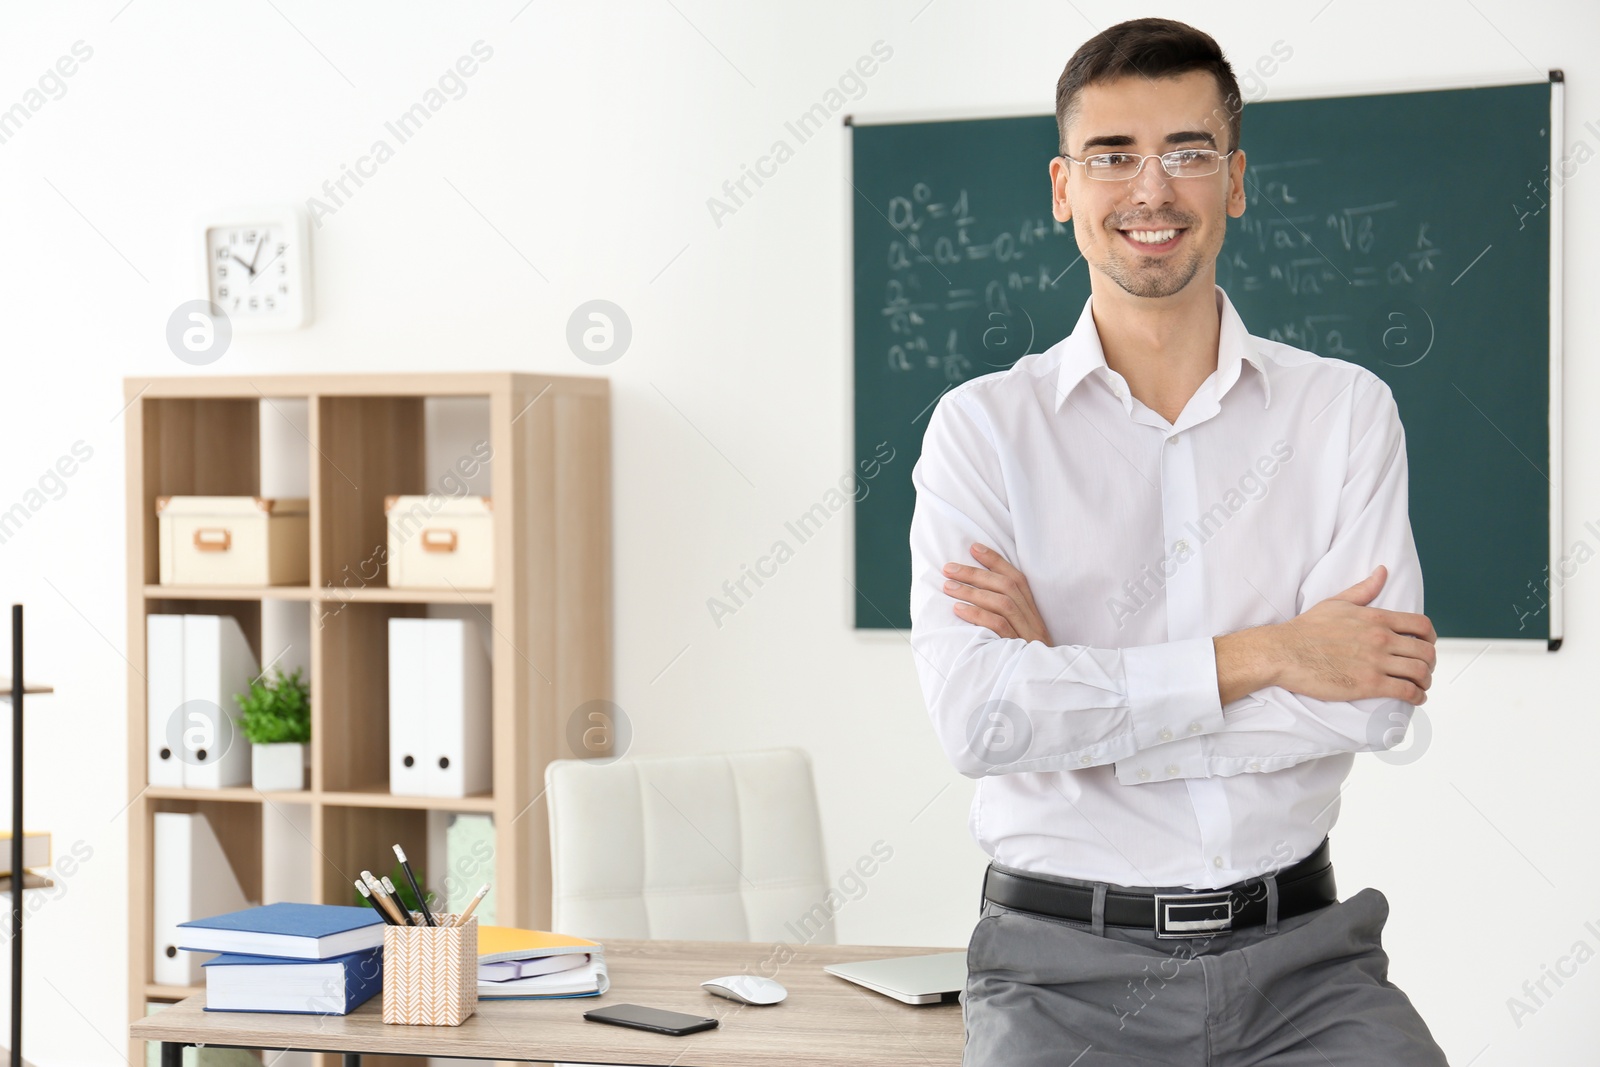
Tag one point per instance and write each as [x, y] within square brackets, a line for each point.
[315, 959]
[533, 964]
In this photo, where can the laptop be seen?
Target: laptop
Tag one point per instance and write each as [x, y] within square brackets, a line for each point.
[937, 979]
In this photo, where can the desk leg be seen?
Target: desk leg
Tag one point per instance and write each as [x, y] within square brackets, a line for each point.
[352, 1059]
[171, 1054]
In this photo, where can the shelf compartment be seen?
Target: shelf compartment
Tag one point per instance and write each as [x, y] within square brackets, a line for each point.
[350, 724]
[369, 447]
[237, 826]
[195, 447]
[357, 839]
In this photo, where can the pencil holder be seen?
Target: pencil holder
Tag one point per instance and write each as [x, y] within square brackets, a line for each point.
[430, 973]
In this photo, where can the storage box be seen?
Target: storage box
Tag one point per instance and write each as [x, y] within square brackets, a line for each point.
[233, 540]
[439, 542]
[430, 973]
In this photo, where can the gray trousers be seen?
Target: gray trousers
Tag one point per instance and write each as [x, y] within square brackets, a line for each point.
[1307, 991]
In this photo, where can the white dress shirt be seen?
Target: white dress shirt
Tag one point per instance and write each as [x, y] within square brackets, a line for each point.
[1110, 756]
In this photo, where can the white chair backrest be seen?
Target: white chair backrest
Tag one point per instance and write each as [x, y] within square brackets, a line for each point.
[724, 847]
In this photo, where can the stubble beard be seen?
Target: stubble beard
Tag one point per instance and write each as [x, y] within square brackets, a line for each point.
[1154, 279]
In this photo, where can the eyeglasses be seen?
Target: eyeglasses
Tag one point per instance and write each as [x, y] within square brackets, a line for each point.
[1120, 166]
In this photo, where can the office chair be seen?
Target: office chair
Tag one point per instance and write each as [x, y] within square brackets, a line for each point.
[723, 847]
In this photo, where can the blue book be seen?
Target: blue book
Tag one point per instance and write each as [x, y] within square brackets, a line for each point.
[285, 931]
[335, 986]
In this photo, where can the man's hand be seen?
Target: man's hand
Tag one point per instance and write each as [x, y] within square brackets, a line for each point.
[996, 595]
[1338, 649]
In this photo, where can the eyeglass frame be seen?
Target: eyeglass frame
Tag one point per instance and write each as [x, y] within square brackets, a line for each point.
[1084, 163]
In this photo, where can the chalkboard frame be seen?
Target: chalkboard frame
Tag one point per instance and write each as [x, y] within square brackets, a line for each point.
[1554, 220]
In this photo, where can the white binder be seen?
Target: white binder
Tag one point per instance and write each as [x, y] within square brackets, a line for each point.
[163, 673]
[217, 663]
[408, 737]
[193, 880]
[439, 730]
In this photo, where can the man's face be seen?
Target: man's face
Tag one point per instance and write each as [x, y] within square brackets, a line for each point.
[1114, 221]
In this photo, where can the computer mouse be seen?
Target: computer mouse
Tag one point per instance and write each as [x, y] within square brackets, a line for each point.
[746, 989]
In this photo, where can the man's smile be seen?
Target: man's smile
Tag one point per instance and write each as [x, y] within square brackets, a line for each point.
[1154, 241]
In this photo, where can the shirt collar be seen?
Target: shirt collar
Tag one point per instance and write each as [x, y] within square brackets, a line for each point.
[1081, 353]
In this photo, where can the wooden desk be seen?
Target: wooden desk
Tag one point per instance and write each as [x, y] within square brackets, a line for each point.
[825, 1021]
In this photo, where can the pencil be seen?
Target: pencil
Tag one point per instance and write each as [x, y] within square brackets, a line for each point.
[383, 898]
[361, 887]
[472, 906]
[422, 901]
[394, 896]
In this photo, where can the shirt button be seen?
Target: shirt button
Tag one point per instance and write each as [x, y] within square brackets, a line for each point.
[1216, 861]
[1117, 391]
[1172, 770]
[1194, 728]
[1144, 774]
[1180, 546]
[1084, 760]
[1166, 735]
[1172, 440]
[1255, 766]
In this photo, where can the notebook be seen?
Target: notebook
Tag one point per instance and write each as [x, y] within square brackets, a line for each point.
[497, 943]
[288, 931]
[586, 981]
[335, 986]
[909, 979]
[545, 955]
[507, 970]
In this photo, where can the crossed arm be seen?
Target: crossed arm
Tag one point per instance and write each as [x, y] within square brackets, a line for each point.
[1341, 649]
[1335, 678]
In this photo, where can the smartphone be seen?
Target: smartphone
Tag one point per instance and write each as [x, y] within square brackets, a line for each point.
[653, 1019]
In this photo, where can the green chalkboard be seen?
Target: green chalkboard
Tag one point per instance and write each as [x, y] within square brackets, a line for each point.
[1409, 233]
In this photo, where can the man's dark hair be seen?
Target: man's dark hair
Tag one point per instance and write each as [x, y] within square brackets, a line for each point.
[1150, 48]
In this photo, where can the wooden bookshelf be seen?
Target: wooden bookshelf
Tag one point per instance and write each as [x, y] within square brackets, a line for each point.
[549, 613]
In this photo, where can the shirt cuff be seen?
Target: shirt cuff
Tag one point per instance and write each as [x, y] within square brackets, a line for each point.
[1183, 758]
[1172, 691]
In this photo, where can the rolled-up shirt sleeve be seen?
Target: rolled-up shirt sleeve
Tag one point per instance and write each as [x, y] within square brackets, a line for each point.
[1273, 728]
[1004, 705]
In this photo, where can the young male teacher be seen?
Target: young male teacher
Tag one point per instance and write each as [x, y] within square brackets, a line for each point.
[1192, 596]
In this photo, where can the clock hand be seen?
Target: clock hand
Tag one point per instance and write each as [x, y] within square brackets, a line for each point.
[245, 265]
[256, 274]
[260, 243]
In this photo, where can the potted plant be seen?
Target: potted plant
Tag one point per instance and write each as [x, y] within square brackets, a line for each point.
[277, 722]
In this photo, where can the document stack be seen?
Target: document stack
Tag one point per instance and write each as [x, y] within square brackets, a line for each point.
[534, 964]
[311, 959]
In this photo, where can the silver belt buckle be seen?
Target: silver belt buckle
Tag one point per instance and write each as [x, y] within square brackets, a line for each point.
[1193, 914]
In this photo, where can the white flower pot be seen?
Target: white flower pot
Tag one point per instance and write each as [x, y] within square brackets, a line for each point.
[278, 767]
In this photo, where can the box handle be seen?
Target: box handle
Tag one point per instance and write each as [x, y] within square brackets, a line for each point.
[438, 540]
[212, 539]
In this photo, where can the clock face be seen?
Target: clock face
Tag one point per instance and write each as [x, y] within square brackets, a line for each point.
[252, 270]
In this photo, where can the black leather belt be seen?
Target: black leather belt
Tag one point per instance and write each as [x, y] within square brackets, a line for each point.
[1302, 887]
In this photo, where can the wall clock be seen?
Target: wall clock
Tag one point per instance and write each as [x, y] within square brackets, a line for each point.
[258, 267]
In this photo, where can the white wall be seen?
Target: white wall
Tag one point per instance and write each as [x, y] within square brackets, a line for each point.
[591, 139]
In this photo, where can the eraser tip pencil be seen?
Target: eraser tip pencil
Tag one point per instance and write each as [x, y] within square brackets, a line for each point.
[383, 912]
[383, 898]
[472, 905]
[422, 901]
[394, 895]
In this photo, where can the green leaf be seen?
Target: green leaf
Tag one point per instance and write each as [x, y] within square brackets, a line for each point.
[276, 710]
